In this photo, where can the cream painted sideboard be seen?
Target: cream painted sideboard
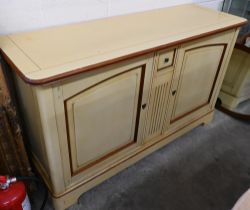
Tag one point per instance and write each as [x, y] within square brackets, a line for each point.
[100, 95]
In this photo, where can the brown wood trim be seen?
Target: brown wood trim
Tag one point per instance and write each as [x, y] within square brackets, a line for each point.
[68, 137]
[139, 103]
[207, 45]
[115, 60]
[14, 67]
[95, 162]
[187, 113]
[132, 156]
[217, 72]
[91, 164]
[214, 82]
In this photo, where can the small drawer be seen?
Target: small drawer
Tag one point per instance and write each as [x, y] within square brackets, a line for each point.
[166, 58]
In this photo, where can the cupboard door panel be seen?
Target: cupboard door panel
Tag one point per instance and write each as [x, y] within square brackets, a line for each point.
[198, 74]
[196, 80]
[102, 118]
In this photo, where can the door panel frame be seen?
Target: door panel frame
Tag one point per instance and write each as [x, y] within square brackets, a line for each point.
[222, 39]
[79, 169]
[213, 85]
[74, 85]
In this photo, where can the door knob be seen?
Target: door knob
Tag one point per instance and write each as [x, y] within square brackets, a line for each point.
[166, 60]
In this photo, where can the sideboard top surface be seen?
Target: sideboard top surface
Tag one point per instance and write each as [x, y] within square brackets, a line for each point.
[50, 54]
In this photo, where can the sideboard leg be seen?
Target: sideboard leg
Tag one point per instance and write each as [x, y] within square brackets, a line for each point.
[208, 118]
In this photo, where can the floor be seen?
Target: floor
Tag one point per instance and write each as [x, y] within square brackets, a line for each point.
[206, 169]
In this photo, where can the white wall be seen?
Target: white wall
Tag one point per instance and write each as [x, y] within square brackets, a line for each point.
[25, 15]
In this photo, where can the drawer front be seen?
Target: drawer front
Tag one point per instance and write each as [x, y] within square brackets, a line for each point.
[166, 59]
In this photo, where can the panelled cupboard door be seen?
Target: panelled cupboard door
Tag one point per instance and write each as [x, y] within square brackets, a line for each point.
[102, 114]
[196, 79]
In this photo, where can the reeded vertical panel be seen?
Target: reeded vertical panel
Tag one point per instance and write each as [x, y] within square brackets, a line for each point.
[157, 105]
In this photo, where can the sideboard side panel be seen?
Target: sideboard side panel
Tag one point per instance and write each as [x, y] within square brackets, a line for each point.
[37, 106]
[45, 102]
[32, 124]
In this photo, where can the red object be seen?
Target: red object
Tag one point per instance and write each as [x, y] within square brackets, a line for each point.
[13, 197]
[3, 179]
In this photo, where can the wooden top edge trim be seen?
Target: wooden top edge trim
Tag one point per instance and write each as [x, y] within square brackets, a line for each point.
[74, 72]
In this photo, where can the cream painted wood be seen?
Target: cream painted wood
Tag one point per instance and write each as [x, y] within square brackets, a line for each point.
[198, 73]
[166, 58]
[71, 197]
[158, 104]
[88, 127]
[72, 185]
[224, 66]
[38, 108]
[102, 118]
[32, 116]
[47, 55]
[45, 103]
[111, 98]
[159, 93]
[196, 79]
[20, 59]
[236, 85]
